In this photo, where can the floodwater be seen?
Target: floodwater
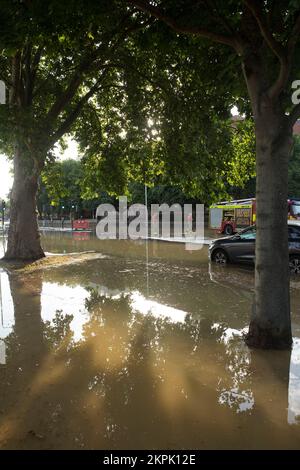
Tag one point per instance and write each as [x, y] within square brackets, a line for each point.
[140, 348]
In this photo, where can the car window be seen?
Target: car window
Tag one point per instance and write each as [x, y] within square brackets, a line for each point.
[294, 232]
[248, 234]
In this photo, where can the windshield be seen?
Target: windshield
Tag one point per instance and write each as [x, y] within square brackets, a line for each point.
[295, 208]
[249, 234]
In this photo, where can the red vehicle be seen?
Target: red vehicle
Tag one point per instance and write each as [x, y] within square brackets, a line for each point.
[232, 216]
[81, 224]
[229, 217]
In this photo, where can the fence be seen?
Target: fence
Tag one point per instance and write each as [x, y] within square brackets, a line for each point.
[67, 224]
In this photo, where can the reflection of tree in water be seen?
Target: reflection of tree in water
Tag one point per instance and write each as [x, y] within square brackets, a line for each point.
[235, 388]
[258, 381]
[131, 381]
[58, 332]
[32, 338]
[123, 340]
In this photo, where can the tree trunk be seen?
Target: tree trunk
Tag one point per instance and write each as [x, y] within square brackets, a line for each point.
[270, 325]
[23, 235]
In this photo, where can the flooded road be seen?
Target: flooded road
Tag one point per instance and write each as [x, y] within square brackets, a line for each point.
[141, 348]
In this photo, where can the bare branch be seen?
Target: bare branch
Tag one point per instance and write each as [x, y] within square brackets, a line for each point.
[294, 37]
[294, 115]
[230, 40]
[213, 11]
[284, 54]
[285, 66]
[14, 94]
[26, 74]
[33, 71]
[70, 91]
[274, 45]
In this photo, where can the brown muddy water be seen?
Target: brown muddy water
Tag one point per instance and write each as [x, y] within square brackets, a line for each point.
[141, 348]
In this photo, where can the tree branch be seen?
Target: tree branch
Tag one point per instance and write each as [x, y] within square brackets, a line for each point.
[294, 37]
[285, 66]
[65, 126]
[86, 65]
[284, 54]
[14, 94]
[33, 71]
[26, 74]
[274, 45]
[70, 91]
[159, 14]
[294, 115]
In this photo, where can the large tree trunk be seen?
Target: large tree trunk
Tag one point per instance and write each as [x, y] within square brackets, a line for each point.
[23, 235]
[270, 325]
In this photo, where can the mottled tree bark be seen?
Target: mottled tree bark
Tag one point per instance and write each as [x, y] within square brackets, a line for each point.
[23, 236]
[270, 324]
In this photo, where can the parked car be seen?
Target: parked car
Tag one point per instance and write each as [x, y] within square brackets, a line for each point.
[240, 248]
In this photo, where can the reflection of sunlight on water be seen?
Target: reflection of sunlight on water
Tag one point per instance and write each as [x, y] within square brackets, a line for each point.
[294, 384]
[236, 396]
[69, 300]
[2, 352]
[2, 245]
[228, 333]
[144, 306]
[7, 320]
[107, 292]
[6, 314]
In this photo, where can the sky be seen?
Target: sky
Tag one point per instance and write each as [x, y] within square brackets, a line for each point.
[6, 178]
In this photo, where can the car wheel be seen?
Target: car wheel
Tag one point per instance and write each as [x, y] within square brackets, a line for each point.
[294, 264]
[220, 257]
[228, 230]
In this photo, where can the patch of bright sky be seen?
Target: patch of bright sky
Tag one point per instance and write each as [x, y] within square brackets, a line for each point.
[6, 177]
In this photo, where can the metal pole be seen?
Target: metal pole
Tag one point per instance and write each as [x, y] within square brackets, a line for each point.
[2, 214]
[147, 240]
[1, 306]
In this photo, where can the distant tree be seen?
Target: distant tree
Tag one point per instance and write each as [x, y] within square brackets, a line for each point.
[62, 181]
[61, 185]
[157, 194]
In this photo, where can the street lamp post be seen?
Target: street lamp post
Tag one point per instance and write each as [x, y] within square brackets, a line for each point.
[71, 215]
[62, 217]
[2, 208]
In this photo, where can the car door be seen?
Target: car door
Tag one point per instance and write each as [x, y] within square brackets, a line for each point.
[243, 249]
[294, 240]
